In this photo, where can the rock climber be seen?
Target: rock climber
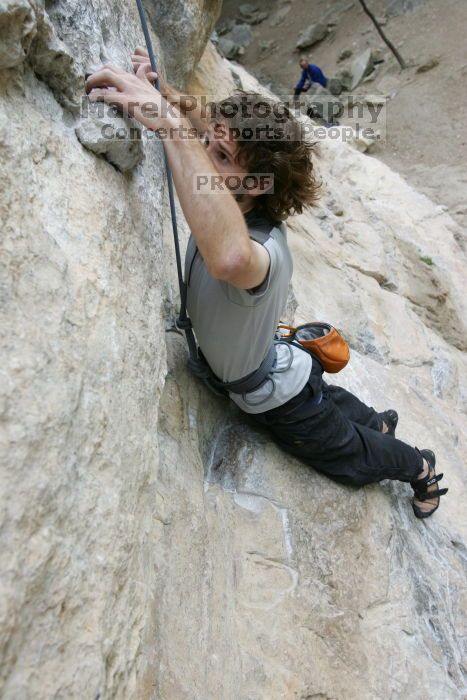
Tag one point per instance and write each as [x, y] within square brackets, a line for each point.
[238, 287]
[310, 74]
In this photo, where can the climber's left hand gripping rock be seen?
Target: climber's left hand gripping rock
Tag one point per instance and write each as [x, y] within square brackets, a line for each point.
[134, 94]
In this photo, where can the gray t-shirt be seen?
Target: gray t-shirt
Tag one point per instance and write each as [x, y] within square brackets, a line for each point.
[236, 327]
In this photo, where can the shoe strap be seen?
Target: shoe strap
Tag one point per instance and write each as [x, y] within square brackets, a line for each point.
[431, 494]
[434, 479]
[422, 484]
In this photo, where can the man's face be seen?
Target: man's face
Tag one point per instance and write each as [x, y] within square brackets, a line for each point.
[303, 63]
[222, 149]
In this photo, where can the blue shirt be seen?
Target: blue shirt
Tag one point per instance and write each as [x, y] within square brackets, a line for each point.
[312, 73]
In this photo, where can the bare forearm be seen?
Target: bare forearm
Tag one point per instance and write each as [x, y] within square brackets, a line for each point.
[215, 219]
[190, 106]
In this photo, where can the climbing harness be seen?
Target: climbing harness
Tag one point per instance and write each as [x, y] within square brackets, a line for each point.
[196, 362]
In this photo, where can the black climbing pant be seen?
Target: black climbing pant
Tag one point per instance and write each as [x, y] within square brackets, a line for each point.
[339, 436]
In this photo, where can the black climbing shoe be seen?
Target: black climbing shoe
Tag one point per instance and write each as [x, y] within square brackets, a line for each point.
[391, 419]
[420, 486]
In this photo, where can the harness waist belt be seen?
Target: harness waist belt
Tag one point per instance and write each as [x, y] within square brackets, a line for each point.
[253, 380]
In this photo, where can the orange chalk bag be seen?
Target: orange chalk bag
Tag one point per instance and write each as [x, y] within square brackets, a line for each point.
[321, 340]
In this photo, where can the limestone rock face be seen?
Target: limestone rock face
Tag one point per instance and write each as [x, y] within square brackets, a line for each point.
[17, 30]
[361, 66]
[111, 135]
[400, 7]
[311, 35]
[154, 544]
[183, 29]
[52, 60]
[84, 306]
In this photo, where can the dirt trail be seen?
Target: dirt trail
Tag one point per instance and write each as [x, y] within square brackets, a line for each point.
[425, 138]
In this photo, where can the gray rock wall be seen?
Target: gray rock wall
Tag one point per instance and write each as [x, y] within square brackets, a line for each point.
[84, 307]
[153, 543]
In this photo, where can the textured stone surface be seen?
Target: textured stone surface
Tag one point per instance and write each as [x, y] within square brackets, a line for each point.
[187, 27]
[17, 30]
[153, 544]
[241, 34]
[400, 7]
[361, 66]
[311, 35]
[81, 373]
[53, 61]
[118, 138]
[228, 48]
[83, 365]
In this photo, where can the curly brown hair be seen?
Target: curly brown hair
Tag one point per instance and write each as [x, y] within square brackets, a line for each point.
[271, 140]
